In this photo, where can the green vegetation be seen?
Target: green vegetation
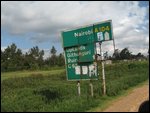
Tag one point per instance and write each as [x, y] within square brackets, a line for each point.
[12, 59]
[126, 54]
[53, 92]
[15, 74]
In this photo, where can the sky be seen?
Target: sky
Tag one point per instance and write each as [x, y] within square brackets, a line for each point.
[29, 24]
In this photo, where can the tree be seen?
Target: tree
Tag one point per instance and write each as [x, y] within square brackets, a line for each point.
[53, 50]
[139, 55]
[35, 57]
[2, 56]
[53, 58]
[40, 59]
[3, 59]
[125, 54]
[12, 58]
[116, 54]
[10, 51]
[61, 60]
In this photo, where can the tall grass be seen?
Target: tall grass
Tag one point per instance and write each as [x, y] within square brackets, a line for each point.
[6, 75]
[53, 92]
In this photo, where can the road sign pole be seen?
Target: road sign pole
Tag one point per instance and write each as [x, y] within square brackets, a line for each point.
[113, 38]
[91, 87]
[103, 75]
[78, 85]
[103, 72]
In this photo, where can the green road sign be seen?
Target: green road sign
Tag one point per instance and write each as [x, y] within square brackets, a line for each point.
[88, 34]
[103, 31]
[83, 53]
[78, 36]
[79, 46]
[82, 71]
[79, 62]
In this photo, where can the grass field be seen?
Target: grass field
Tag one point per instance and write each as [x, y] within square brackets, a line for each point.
[16, 74]
[50, 91]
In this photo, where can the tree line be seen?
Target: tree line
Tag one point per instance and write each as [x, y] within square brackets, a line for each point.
[126, 54]
[12, 59]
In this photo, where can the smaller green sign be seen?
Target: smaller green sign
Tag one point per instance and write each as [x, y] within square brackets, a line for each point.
[87, 54]
[83, 53]
[80, 62]
[103, 31]
[82, 71]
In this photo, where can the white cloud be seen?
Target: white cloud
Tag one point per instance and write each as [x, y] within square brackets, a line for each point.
[45, 20]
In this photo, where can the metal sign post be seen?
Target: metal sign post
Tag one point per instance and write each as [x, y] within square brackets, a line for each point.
[91, 87]
[78, 85]
[103, 72]
[103, 78]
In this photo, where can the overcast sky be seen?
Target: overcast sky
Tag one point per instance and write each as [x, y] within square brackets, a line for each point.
[40, 23]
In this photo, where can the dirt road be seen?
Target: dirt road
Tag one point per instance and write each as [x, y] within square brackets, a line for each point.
[131, 102]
